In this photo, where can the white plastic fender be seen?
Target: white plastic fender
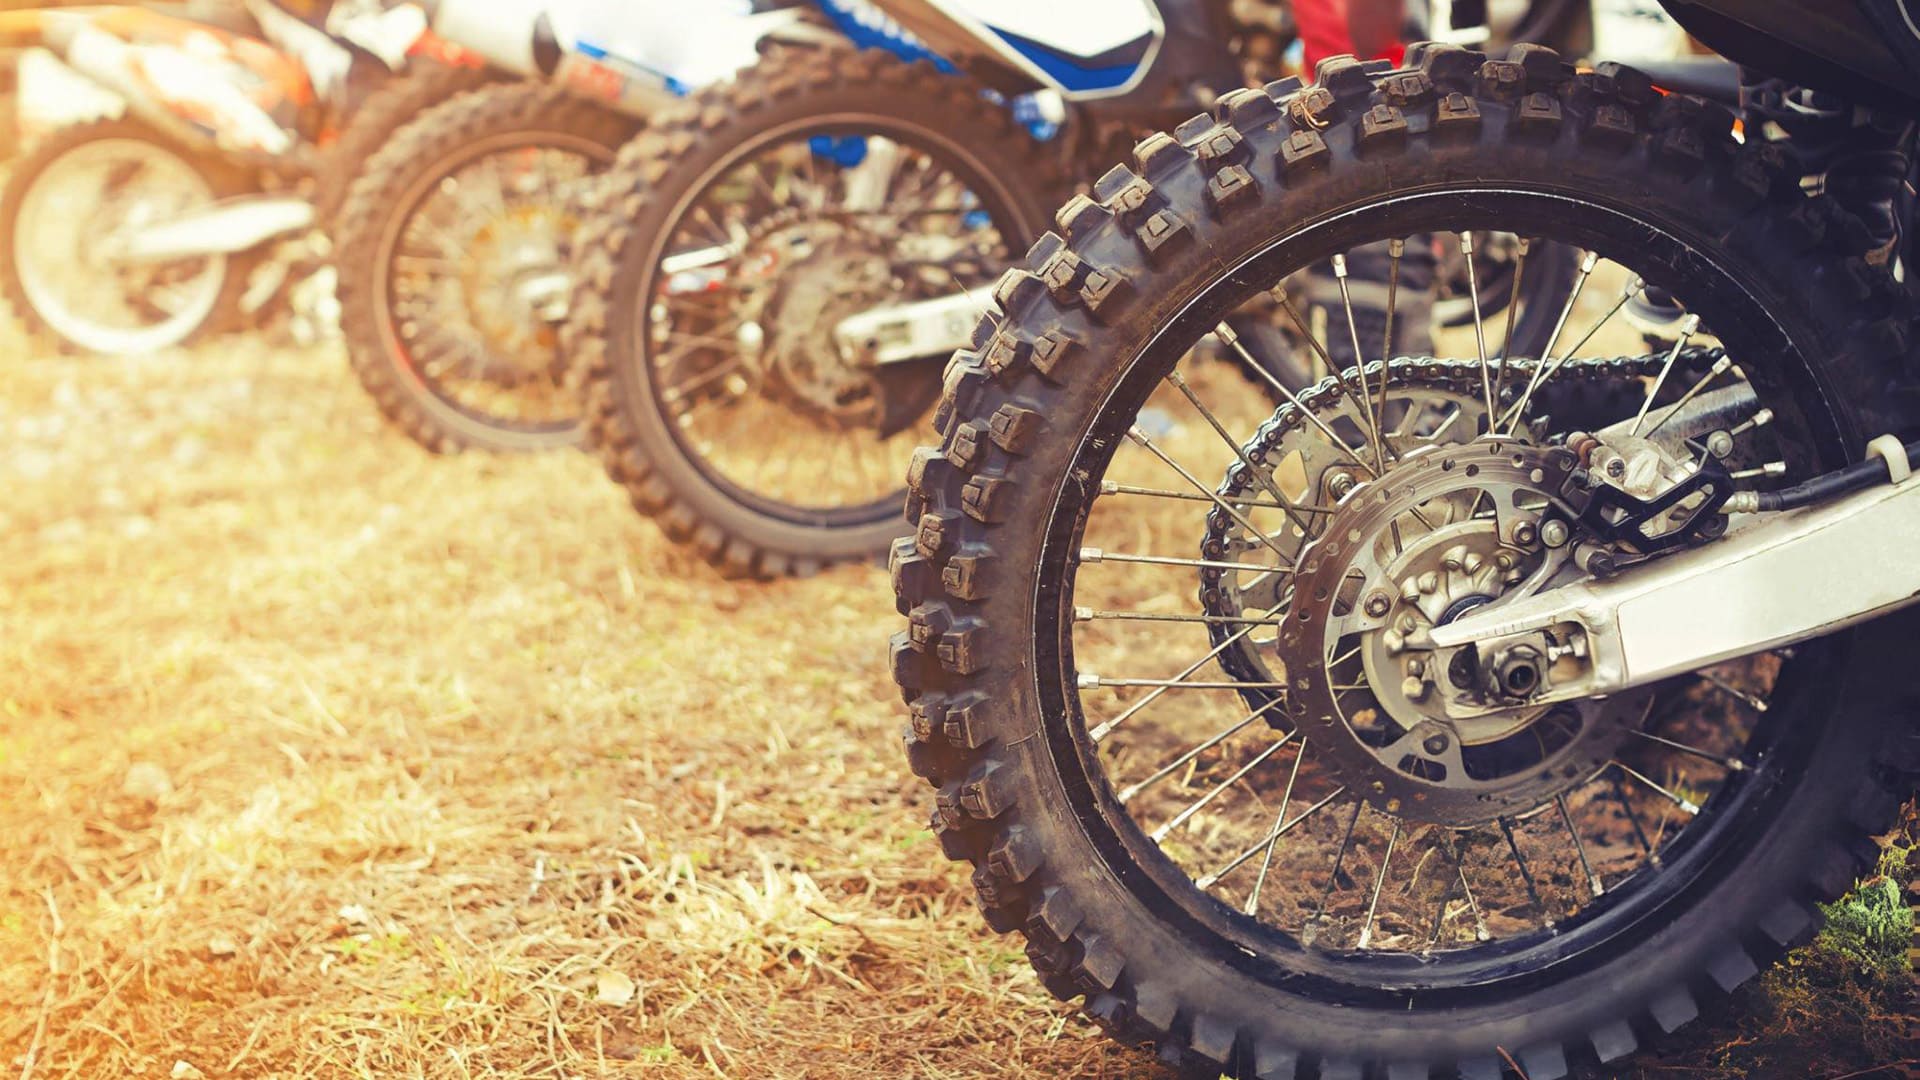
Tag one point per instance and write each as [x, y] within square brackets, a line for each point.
[1083, 28]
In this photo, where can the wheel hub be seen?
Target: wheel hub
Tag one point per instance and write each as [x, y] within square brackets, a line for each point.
[516, 276]
[837, 274]
[1417, 733]
[1450, 572]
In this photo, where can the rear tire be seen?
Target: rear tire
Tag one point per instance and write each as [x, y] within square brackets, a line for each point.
[38, 311]
[666, 167]
[421, 154]
[390, 107]
[987, 579]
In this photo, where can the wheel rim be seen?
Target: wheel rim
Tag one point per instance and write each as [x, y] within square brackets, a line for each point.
[472, 278]
[1338, 970]
[764, 430]
[91, 192]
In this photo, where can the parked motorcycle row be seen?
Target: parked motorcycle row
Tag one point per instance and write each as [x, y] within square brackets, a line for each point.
[751, 255]
[814, 228]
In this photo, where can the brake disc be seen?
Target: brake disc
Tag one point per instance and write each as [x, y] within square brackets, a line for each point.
[1292, 452]
[1425, 538]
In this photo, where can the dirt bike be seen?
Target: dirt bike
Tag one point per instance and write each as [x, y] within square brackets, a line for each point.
[775, 273]
[456, 238]
[191, 205]
[1403, 730]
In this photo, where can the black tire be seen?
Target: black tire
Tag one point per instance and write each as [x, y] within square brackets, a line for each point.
[222, 181]
[641, 199]
[417, 156]
[392, 105]
[993, 726]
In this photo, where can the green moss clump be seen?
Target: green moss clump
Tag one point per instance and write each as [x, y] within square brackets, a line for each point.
[1871, 928]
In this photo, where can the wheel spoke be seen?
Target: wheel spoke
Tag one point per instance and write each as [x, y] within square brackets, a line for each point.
[1633, 819]
[1770, 469]
[1171, 767]
[1097, 614]
[1396, 248]
[1513, 310]
[1526, 875]
[1719, 368]
[1098, 555]
[1226, 335]
[1731, 764]
[674, 394]
[1666, 368]
[1266, 860]
[1217, 790]
[1749, 700]
[1312, 925]
[1260, 475]
[1686, 805]
[1480, 932]
[1379, 882]
[1208, 881]
[1479, 331]
[1089, 681]
[1141, 439]
[1587, 264]
[1359, 365]
[1113, 487]
[1101, 732]
[1579, 847]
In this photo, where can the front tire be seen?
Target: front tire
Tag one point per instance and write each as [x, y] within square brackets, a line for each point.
[1198, 225]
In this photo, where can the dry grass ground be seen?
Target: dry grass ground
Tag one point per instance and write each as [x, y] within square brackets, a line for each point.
[324, 757]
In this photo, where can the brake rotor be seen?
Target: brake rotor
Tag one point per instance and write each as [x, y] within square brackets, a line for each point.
[1446, 532]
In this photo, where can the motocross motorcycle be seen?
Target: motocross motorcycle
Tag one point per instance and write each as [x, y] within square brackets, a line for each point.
[194, 205]
[775, 274]
[1403, 729]
[456, 238]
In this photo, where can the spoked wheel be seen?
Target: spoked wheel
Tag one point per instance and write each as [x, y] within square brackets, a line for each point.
[767, 314]
[66, 207]
[455, 255]
[1170, 658]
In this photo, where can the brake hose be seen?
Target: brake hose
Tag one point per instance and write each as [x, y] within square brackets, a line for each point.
[1880, 466]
